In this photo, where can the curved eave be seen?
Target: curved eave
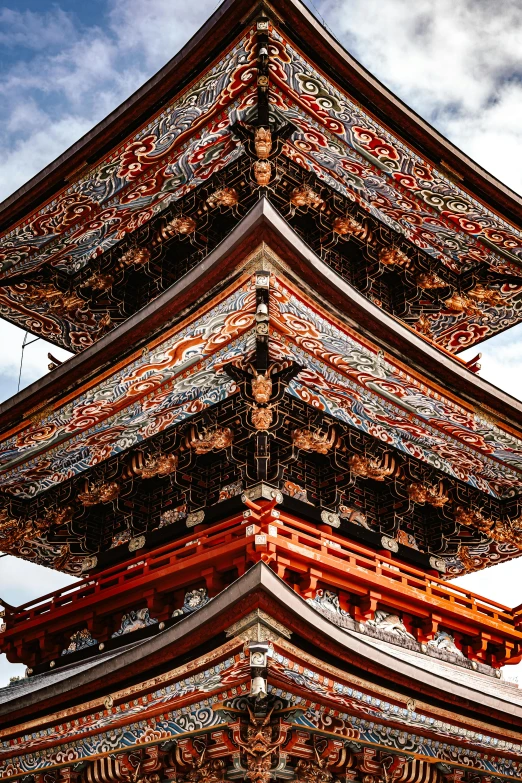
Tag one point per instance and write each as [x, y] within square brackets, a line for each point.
[422, 137]
[322, 48]
[264, 224]
[221, 28]
[259, 587]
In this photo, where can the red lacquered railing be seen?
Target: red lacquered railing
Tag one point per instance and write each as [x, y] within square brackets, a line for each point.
[289, 545]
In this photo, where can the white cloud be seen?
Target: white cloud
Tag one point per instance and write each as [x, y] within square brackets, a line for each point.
[455, 62]
[54, 95]
[34, 30]
[163, 29]
[501, 362]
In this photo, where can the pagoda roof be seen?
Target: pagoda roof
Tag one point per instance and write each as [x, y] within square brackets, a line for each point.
[177, 132]
[263, 224]
[230, 19]
[164, 367]
[386, 671]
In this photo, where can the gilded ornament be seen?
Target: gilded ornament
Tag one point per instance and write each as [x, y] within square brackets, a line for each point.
[429, 281]
[263, 142]
[423, 325]
[204, 770]
[261, 388]
[313, 440]
[99, 493]
[370, 468]
[59, 516]
[63, 557]
[223, 197]
[136, 543]
[424, 493]
[345, 226]
[461, 303]
[262, 172]
[182, 224]
[309, 771]
[69, 303]
[262, 418]
[393, 256]
[471, 517]
[487, 296]
[507, 532]
[135, 256]
[98, 282]
[504, 532]
[213, 439]
[57, 301]
[13, 531]
[158, 465]
[104, 321]
[468, 562]
[259, 745]
[305, 196]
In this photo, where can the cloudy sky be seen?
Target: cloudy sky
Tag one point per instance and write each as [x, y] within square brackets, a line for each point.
[65, 65]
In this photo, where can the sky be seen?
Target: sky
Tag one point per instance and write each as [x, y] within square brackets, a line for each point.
[65, 65]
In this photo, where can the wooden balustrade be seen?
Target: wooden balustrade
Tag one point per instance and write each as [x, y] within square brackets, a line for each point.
[306, 556]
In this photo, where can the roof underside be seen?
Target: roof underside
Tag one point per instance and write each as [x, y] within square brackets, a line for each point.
[356, 656]
[370, 380]
[469, 230]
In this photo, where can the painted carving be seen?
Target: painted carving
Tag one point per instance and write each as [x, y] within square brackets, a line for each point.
[461, 303]
[393, 256]
[230, 491]
[182, 224]
[263, 172]
[353, 515]
[262, 388]
[429, 281]
[371, 467]
[100, 493]
[389, 623]
[194, 600]
[135, 256]
[295, 491]
[98, 281]
[204, 770]
[211, 439]
[173, 515]
[81, 640]
[349, 226]
[263, 142]
[445, 641]
[223, 197]
[262, 418]
[424, 493]
[305, 196]
[260, 744]
[314, 440]
[160, 465]
[134, 621]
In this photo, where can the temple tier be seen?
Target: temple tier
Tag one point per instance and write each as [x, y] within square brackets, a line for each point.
[266, 460]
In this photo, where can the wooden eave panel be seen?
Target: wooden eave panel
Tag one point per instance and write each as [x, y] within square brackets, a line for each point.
[221, 28]
[264, 223]
[260, 587]
[302, 27]
[359, 83]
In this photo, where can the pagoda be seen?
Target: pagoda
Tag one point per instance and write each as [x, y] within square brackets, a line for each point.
[265, 460]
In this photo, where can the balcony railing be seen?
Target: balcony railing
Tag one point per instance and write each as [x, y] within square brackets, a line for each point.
[297, 551]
